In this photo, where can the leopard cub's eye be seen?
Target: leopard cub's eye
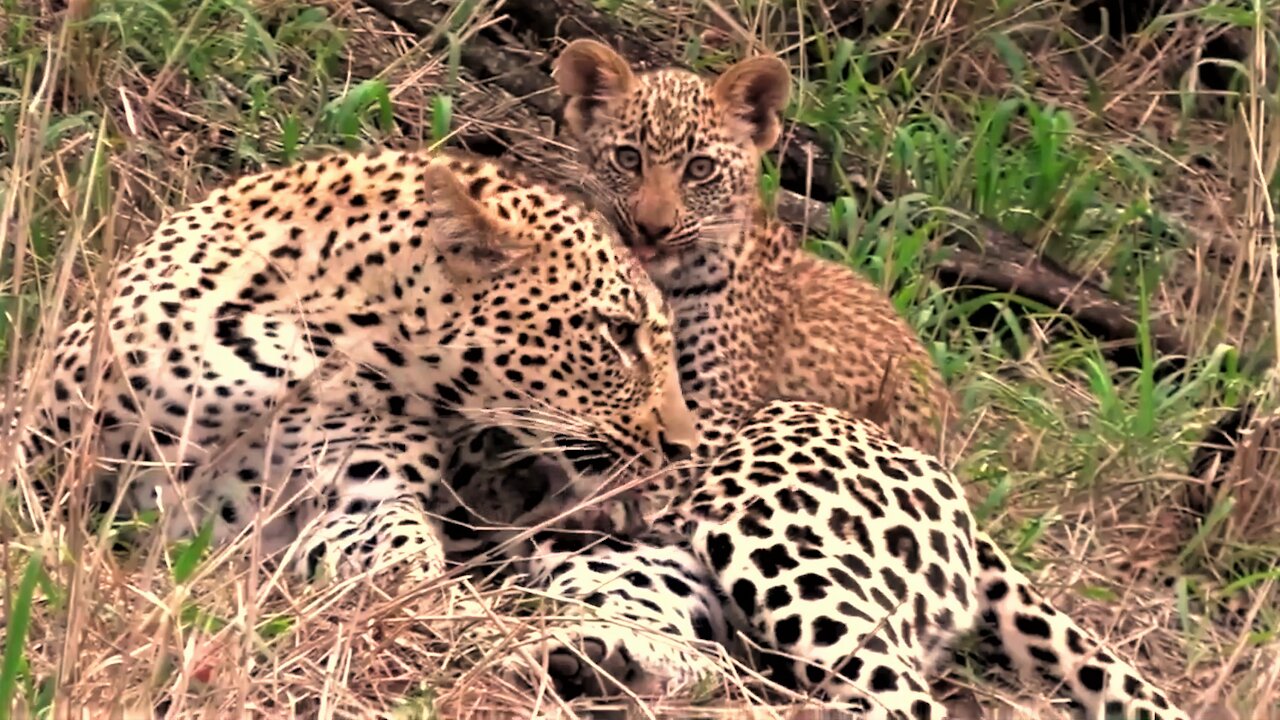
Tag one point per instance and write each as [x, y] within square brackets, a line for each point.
[699, 168]
[627, 158]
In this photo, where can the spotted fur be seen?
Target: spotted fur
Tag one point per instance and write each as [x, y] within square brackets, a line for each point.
[300, 349]
[852, 562]
[675, 158]
[845, 550]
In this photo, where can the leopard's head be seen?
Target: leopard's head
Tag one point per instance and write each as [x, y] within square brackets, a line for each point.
[675, 155]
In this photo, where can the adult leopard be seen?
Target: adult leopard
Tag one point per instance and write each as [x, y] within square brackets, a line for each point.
[299, 349]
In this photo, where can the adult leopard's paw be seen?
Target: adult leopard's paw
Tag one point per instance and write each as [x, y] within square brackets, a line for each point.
[600, 658]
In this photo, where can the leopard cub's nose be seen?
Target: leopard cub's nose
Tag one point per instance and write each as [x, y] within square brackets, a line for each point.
[653, 231]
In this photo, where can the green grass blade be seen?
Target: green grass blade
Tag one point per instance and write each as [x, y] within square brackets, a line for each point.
[347, 113]
[187, 555]
[1217, 515]
[1010, 54]
[16, 635]
[290, 137]
[441, 118]
[1145, 422]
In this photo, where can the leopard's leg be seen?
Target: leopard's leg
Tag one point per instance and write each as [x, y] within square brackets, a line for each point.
[624, 609]
[846, 574]
[638, 615]
[491, 491]
[1022, 630]
[368, 483]
[643, 614]
[816, 627]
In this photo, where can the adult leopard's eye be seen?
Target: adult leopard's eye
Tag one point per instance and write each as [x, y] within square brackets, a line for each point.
[627, 158]
[624, 333]
[623, 336]
[699, 168]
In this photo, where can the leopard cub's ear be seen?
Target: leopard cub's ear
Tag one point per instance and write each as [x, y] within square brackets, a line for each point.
[473, 242]
[755, 91]
[590, 75]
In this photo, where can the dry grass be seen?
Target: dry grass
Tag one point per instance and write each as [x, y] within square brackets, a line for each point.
[118, 119]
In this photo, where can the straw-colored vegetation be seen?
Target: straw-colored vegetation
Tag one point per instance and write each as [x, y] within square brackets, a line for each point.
[1147, 166]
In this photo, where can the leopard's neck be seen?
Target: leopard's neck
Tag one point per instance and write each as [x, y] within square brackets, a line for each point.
[729, 309]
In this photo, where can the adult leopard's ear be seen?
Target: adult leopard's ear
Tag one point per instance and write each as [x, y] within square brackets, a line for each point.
[473, 241]
[590, 75]
[754, 91]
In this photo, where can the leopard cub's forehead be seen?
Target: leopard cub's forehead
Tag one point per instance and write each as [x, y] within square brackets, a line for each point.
[672, 111]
